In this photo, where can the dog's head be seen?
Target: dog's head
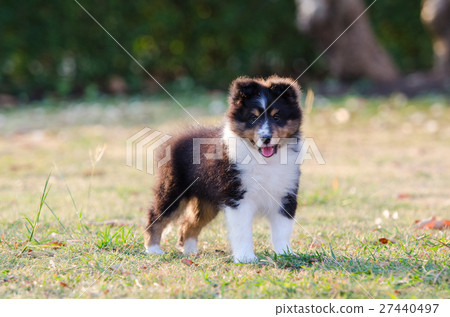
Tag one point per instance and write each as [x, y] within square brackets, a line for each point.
[265, 111]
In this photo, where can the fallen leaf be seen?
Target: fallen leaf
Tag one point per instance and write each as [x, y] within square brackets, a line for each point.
[403, 196]
[424, 222]
[188, 262]
[432, 223]
[386, 240]
[53, 244]
[61, 244]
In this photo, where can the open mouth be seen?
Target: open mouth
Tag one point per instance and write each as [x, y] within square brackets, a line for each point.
[268, 150]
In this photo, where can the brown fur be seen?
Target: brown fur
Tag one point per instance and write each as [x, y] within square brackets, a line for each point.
[288, 130]
[197, 215]
[156, 225]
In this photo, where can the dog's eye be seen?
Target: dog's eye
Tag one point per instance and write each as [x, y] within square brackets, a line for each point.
[276, 117]
[252, 118]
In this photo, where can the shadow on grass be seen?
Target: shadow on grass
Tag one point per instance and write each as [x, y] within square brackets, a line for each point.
[425, 270]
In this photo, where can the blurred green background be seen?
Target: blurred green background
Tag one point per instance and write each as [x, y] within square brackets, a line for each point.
[53, 48]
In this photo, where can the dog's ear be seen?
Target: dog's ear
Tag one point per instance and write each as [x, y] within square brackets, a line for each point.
[284, 88]
[242, 88]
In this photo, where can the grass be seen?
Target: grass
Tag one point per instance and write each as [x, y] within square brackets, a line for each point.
[33, 226]
[83, 238]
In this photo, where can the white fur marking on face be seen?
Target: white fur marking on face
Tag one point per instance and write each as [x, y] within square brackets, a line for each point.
[240, 150]
[190, 246]
[154, 249]
[263, 101]
[264, 130]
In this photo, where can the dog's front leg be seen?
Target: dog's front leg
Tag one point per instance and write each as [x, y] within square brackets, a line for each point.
[281, 228]
[239, 222]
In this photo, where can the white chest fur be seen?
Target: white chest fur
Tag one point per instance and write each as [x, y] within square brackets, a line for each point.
[265, 180]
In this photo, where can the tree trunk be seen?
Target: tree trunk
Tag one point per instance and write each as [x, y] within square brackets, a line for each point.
[436, 17]
[356, 54]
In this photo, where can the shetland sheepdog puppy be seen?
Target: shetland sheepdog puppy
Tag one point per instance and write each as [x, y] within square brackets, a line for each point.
[245, 167]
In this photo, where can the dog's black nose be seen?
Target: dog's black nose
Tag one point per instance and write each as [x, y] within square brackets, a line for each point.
[266, 140]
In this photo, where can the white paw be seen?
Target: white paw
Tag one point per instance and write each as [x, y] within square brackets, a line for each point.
[190, 246]
[154, 249]
[247, 258]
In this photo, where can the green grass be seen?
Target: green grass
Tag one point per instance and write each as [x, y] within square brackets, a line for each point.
[391, 153]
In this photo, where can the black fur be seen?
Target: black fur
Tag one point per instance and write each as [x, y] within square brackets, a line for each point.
[200, 180]
[289, 205]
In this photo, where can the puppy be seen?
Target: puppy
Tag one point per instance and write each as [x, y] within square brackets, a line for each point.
[246, 167]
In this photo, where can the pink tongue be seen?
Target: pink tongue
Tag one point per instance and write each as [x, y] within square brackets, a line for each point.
[267, 151]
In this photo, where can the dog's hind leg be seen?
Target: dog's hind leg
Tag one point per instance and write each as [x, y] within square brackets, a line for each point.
[153, 231]
[197, 215]
[164, 211]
